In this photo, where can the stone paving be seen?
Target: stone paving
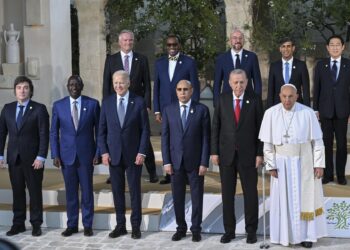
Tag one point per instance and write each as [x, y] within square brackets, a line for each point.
[52, 240]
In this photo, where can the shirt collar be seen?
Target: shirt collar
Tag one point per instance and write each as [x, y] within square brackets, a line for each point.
[240, 53]
[235, 97]
[188, 104]
[25, 103]
[78, 100]
[290, 61]
[130, 54]
[176, 56]
[126, 97]
[338, 60]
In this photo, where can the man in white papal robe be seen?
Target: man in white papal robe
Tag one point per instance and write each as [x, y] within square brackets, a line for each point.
[294, 156]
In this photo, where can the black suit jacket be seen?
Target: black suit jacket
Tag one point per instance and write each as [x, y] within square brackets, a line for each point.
[140, 82]
[299, 78]
[228, 136]
[330, 98]
[31, 139]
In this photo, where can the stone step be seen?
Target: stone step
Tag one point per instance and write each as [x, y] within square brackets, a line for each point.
[55, 216]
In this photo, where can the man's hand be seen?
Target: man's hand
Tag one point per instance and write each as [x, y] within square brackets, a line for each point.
[159, 118]
[273, 173]
[318, 172]
[37, 164]
[57, 162]
[96, 160]
[139, 159]
[215, 160]
[202, 170]
[259, 161]
[168, 169]
[2, 164]
[106, 159]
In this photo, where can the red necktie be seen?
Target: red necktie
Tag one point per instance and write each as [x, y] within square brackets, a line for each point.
[237, 110]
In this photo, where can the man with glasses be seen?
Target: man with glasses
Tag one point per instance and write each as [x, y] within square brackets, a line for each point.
[169, 70]
[332, 106]
[236, 58]
[185, 151]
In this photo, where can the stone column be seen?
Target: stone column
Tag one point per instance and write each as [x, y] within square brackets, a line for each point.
[2, 22]
[92, 44]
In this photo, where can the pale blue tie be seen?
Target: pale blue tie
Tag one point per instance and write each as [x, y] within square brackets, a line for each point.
[121, 111]
[286, 73]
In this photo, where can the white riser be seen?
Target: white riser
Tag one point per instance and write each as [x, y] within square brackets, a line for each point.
[101, 221]
[102, 199]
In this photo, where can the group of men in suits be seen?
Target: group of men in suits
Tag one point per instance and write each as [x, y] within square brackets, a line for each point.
[123, 133]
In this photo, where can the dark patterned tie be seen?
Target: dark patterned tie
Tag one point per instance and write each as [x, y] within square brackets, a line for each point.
[334, 71]
[75, 115]
[126, 63]
[20, 116]
[238, 62]
[183, 116]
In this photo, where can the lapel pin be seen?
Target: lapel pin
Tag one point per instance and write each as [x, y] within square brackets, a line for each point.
[180, 62]
[191, 111]
[136, 59]
[293, 67]
[247, 101]
[326, 65]
[30, 107]
[84, 109]
[132, 102]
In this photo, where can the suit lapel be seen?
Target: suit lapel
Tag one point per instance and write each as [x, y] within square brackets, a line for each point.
[343, 68]
[67, 111]
[13, 111]
[244, 59]
[229, 60]
[228, 105]
[27, 112]
[294, 70]
[129, 108]
[134, 64]
[83, 108]
[245, 107]
[178, 66]
[114, 112]
[191, 113]
[119, 62]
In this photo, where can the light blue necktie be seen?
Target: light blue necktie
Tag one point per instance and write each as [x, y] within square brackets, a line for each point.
[121, 111]
[183, 116]
[286, 73]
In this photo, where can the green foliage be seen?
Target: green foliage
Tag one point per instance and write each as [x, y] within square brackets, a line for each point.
[341, 213]
[198, 23]
[298, 19]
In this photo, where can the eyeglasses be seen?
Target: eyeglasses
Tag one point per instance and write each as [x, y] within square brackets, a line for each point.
[182, 89]
[171, 44]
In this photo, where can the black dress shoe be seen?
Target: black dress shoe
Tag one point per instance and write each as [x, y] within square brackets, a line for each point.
[342, 181]
[178, 236]
[196, 237]
[306, 244]
[16, 229]
[251, 238]
[227, 237]
[166, 180]
[118, 231]
[326, 180]
[153, 178]
[136, 234]
[69, 231]
[88, 231]
[36, 231]
[108, 181]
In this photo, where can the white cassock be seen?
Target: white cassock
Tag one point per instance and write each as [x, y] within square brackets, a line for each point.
[293, 146]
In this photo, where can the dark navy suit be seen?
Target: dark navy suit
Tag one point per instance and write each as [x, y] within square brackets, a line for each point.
[164, 91]
[76, 150]
[186, 149]
[123, 144]
[224, 65]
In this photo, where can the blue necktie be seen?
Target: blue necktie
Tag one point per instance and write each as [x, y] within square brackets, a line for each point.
[238, 62]
[121, 111]
[20, 117]
[183, 117]
[334, 71]
[286, 73]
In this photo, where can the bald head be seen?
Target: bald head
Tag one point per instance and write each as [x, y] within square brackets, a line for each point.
[288, 96]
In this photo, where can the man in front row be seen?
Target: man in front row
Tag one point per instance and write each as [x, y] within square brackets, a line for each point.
[185, 151]
[123, 142]
[26, 123]
[294, 153]
[236, 149]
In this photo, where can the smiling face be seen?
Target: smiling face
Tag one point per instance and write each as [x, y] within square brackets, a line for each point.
[74, 88]
[121, 83]
[237, 40]
[287, 50]
[238, 83]
[335, 48]
[173, 46]
[22, 92]
[184, 91]
[126, 42]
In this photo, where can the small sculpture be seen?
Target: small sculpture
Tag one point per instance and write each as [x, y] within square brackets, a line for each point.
[12, 47]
